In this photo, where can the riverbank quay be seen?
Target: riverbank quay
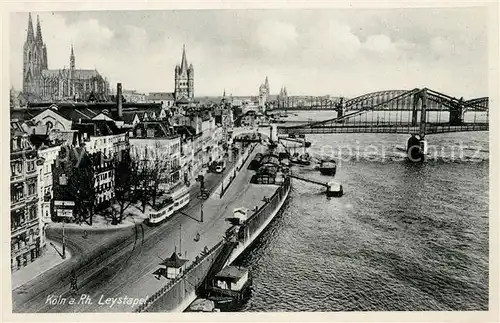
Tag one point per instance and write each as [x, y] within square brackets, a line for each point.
[121, 266]
[91, 252]
[198, 279]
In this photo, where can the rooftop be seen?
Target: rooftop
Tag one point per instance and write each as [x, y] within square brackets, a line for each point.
[160, 96]
[232, 272]
[97, 127]
[174, 261]
[154, 129]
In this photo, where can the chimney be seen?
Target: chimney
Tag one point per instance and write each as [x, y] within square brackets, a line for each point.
[119, 103]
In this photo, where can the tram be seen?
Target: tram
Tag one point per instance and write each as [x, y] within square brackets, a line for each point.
[176, 201]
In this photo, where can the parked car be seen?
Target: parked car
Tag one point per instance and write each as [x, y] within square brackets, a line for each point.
[220, 167]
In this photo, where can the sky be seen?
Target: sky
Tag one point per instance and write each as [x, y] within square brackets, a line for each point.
[345, 52]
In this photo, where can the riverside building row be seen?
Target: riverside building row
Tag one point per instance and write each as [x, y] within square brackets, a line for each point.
[190, 139]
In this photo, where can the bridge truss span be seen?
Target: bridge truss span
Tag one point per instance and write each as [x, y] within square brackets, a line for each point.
[417, 111]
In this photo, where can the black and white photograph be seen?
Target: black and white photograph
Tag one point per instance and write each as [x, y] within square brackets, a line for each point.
[243, 160]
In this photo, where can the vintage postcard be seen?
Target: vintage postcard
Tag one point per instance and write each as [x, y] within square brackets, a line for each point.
[230, 160]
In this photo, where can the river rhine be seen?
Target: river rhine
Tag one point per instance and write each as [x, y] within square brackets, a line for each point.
[404, 237]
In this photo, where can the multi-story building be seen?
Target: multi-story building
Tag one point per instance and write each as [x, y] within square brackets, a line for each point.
[158, 141]
[49, 155]
[187, 136]
[27, 232]
[103, 141]
[166, 99]
[134, 96]
[184, 79]
[42, 84]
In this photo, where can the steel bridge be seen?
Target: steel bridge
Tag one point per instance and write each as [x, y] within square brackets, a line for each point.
[417, 111]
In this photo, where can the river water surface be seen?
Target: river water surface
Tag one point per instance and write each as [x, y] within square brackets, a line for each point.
[404, 236]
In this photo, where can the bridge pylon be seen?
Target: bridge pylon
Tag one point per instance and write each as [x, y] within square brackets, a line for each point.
[420, 97]
[341, 108]
[457, 114]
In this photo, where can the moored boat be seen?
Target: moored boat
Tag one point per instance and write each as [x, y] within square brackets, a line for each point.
[328, 167]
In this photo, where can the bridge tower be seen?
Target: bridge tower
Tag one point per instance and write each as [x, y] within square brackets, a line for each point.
[417, 147]
[341, 108]
[457, 114]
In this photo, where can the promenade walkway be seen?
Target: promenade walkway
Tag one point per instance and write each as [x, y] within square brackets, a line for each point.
[127, 270]
[50, 259]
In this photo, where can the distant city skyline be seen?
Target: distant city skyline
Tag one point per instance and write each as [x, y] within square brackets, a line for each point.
[336, 52]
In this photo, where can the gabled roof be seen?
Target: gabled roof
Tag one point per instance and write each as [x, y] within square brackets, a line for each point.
[75, 74]
[97, 127]
[162, 129]
[22, 114]
[174, 261]
[128, 116]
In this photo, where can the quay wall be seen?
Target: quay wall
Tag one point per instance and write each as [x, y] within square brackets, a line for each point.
[178, 293]
[233, 172]
[258, 221]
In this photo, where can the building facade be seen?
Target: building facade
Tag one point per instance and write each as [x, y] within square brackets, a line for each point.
[154, 142]
[166, 99]
[103, 141]
[134, 96]
[42, 84]
[27, 235]
[184, 79]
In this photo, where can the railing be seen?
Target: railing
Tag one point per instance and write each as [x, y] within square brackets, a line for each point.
[18, 203]
[162, 291]
[234, 170]
[17, 177]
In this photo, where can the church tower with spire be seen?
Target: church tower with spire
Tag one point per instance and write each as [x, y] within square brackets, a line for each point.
[40, 84]
[184, 79]
[34, 58]
[72, 59]
[263, 94]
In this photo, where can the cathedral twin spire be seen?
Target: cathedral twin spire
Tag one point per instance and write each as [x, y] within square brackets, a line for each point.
[31, 36]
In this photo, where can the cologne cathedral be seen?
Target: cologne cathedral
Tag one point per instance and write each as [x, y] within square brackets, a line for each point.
[41, 84]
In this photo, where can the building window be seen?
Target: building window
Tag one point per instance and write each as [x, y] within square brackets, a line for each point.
[31, 188]
[31, 165]
[17, 193]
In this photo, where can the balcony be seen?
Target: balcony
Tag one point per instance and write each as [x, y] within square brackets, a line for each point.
[175, 169]
[31, 198]
[17, 204]
[16, 177]
[18, 229]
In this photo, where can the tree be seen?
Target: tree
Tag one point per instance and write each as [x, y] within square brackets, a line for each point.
[151, 167]
[157, 167]
[74, 181]
[125, 175]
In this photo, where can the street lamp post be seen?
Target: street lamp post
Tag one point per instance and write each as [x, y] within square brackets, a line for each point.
[63, 243]
[201, 215]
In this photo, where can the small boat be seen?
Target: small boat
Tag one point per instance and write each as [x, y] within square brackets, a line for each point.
[328, 168]
[294, 159]
[303, 159]
[334, 189]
